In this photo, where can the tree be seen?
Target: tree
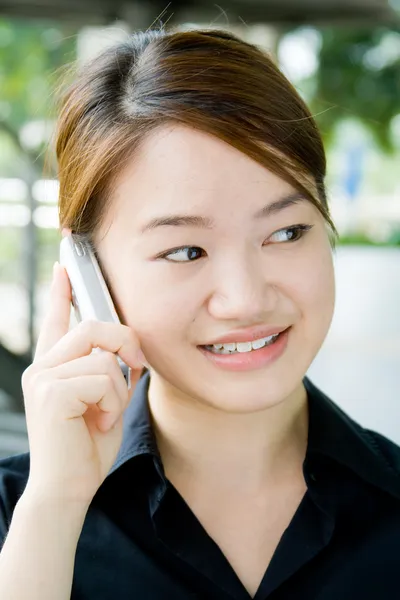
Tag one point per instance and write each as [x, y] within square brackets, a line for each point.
[359, 76]
[30, 55]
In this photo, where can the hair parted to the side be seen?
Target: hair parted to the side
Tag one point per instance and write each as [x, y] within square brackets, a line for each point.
[206, 79]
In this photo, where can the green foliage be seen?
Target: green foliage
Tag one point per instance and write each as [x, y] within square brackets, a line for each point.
[359, 76]
[361, 239]
[30, 55]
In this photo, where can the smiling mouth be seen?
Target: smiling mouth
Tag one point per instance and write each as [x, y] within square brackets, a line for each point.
[243, 347]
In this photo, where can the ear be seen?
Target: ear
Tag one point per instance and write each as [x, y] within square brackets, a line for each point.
[65, 231]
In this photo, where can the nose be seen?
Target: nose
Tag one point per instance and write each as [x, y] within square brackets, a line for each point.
[243, 294]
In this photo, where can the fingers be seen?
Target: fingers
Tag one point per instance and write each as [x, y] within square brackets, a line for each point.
[80, 341]
[75, 396]
[57, 400]
[104, 363]
[57, 345]
[57, 319]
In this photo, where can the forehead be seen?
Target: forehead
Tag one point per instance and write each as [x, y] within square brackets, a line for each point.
[183, 178]
[187, 178]
[180, 165]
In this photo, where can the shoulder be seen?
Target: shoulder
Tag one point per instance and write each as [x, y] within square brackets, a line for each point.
[14, 472]
[370, 455]
[388, 450]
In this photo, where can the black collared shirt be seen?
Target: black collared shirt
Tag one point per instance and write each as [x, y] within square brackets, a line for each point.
[141, 541]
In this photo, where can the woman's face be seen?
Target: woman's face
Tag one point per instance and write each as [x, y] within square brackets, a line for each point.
[240, 272]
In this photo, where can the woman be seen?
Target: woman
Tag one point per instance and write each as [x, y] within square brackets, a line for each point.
[197, 173]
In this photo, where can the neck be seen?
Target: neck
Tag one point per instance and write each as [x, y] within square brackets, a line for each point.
[200, 445]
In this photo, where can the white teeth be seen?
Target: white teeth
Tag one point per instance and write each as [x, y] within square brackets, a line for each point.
[258, 344]
[242, 346]
[231, 347]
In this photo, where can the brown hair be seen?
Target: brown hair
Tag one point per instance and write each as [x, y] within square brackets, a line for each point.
[207, 79]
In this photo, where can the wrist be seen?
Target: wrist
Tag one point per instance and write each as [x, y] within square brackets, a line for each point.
[52, 509]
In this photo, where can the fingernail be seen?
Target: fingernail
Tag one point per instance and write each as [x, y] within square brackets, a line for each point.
[55, 267]
[140, 357]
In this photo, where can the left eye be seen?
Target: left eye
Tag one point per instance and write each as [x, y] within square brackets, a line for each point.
[181, 253]
[193, 253]
[295, 233]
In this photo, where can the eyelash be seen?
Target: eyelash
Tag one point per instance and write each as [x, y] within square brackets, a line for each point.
[300, 232]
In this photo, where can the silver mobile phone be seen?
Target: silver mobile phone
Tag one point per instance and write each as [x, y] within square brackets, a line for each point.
[91, 298]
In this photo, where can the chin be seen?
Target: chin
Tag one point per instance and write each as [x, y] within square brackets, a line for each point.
[244, 407]
[192, 377]
[245, 397]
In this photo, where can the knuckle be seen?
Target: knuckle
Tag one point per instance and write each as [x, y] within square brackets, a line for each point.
[130, 336]
[105, 381]
[27, 376]
[30, 377]
[87, 328]
[108, 360]
[41, 391]
[47, 388]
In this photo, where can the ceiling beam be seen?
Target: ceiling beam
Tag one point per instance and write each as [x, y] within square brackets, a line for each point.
[232, 12]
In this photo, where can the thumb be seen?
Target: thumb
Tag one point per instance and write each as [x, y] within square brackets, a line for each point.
[56, 322]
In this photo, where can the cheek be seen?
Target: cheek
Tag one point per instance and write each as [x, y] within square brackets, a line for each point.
[319, 292]
[310, 285]
[159, 313]
[156, 311]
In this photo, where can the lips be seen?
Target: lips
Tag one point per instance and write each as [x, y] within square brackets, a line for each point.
[248, 335]
[249, 361]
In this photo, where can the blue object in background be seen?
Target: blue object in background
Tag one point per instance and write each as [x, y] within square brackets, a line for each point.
[354, 172]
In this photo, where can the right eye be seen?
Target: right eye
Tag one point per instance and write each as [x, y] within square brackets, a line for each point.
[181, 253]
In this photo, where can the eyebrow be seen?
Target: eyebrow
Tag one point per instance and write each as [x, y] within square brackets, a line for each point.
[206, 223]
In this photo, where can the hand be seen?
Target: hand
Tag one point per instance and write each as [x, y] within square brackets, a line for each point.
[75, 399]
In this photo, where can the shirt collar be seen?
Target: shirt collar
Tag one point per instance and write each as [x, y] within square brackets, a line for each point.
[137, 437]
[332, 433]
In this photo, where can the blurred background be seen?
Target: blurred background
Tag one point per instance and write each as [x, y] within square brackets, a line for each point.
[343, 56]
